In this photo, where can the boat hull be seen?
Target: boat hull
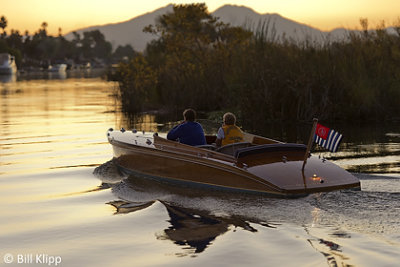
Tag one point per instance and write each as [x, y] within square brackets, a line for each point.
[174, 163]
[186, 170]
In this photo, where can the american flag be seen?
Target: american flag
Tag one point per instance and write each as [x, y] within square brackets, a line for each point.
[327, 138]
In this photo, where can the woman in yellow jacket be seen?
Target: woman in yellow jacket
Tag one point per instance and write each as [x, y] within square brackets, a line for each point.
[229, 133]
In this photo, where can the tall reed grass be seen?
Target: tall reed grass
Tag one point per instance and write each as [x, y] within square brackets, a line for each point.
[263, 78]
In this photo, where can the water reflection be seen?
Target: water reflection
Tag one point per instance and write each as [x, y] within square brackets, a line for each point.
[52, 124]
[51, 75]
[371, 158]
[8, 78]
[194, 229]
[197, 218]
[143, 122]
[60, 75]
[191, 228]
[128, 207]
[330, 250]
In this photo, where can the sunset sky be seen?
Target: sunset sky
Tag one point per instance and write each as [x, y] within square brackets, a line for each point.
[71, 15]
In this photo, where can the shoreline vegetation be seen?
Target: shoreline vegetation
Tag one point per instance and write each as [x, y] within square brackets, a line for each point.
[40, 50]
[210, 66]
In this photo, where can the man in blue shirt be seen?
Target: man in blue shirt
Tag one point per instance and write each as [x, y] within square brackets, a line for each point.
[188, 132]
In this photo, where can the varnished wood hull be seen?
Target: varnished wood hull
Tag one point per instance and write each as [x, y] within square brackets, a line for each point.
[265, 173]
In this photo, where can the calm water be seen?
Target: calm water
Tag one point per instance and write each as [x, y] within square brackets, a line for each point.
[61, 199]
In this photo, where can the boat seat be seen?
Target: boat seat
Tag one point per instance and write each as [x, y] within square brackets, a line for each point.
[210, 147]
[269, 148]
[231, 149]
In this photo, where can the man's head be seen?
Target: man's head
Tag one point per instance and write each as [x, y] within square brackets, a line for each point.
[229, 118]
[189, 114]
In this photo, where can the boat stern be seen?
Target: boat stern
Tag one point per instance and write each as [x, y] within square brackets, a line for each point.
[281, 165]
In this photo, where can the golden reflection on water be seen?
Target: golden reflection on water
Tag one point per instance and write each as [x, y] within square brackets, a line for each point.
[146, 122]
[50, 124]
[315, 214]
[52, 135]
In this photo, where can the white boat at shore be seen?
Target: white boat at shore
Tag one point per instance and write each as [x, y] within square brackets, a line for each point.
[58, 68]
[7, 64]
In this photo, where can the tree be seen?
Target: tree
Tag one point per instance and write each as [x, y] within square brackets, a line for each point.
[15, 40]
[190, 59]
[197, 49]
[94, 45]
[3, 24]
[44, 25]
[123, 53]
[43, 30]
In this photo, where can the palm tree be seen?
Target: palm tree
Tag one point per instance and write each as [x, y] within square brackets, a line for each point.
[43, 30]
[44, 25]
[3, 23]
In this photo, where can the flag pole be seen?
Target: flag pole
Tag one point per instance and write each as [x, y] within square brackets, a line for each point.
[310, 142]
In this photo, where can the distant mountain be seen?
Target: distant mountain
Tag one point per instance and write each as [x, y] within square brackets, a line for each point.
[128, 32]
[274, 25]
[277, 27]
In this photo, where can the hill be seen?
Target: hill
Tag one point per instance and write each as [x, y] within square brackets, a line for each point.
[131, 31]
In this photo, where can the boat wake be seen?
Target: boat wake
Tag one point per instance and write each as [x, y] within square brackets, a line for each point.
[109, 173]
[197, 217]
[373, 209]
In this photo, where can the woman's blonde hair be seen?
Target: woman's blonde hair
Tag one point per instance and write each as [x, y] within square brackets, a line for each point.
[229, 118]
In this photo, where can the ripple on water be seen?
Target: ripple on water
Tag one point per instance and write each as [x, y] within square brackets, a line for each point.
[330, 223]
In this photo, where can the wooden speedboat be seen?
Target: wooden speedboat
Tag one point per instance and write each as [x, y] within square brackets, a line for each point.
[258, 165]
